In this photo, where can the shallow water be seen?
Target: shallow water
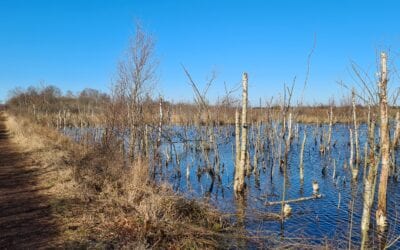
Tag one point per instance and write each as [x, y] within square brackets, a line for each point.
[334, 218]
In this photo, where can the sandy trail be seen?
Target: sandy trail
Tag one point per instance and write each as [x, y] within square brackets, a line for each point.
[26, 220]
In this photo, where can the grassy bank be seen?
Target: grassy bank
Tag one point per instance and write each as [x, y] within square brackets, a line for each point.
[99, 203]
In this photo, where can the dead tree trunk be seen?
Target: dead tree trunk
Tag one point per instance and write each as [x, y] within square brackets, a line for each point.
[353, 97]
[369, 191]
[351, 160]
[237, 141]
[302, 156]
[396, 136]
[288, 138]
[239, 184]
[395, 143]
[160, 122]
[353, 167]
[328, 146]
[381, 218]
[371, 137]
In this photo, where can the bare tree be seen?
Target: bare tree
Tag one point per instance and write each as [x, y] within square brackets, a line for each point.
[136, 77]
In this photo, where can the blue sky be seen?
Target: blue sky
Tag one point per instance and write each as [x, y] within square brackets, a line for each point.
[77, 44]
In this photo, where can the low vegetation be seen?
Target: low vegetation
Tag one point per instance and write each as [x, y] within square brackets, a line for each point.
[100, 203]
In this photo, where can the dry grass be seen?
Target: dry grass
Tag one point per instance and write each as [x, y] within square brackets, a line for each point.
[306, 115]
[99, 203]
[188, 114]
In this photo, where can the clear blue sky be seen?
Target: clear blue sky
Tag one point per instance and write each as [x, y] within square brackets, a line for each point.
[76, 44]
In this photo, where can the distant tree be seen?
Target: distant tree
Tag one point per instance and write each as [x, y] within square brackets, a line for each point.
[69, 94]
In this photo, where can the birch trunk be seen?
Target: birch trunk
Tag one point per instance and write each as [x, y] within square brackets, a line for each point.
[237, 141]
[353, 95]
[371, 139]
[395, 143]
[288, 138]
[330, 129]
[160, 123]
[369, 192]
[397, 132]
[385, 144]
[239, 184]
[351, 160]
[302, 156]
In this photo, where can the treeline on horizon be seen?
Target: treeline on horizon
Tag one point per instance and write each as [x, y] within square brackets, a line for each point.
[50, 100]
[54, 95]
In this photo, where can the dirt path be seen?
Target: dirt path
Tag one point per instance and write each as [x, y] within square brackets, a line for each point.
[26, 221]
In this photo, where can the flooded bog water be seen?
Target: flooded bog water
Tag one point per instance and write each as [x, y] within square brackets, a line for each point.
[197, 171]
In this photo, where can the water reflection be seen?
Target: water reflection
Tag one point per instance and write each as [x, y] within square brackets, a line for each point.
[198, 171]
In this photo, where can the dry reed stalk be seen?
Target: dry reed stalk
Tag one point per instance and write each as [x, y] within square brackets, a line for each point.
[146, 140]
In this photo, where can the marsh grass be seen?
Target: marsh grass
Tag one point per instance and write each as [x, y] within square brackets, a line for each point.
[99, 202]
